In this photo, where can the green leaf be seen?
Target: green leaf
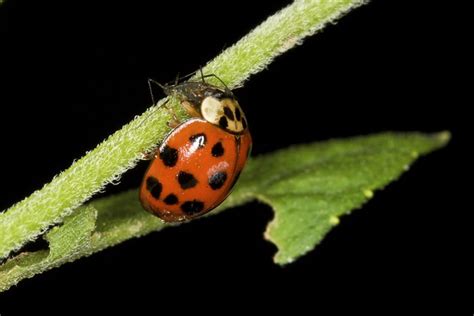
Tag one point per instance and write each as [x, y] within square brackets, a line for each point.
[66, 242]
[308, 186]
[28, 219]
[101, 224]
[311, 186]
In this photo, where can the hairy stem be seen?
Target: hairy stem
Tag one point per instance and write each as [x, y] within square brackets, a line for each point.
[29, 218]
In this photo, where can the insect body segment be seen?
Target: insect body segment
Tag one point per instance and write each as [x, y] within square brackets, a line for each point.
[200, 160]
[215, 105]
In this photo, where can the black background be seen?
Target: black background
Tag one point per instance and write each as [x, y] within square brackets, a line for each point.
[73, 72]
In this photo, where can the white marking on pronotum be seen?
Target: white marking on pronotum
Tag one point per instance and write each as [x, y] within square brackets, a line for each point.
[212, 110]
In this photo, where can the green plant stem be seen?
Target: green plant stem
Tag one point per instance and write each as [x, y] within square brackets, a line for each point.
[29, 218]
[330, 180]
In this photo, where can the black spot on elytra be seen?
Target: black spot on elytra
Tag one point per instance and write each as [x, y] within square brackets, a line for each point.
[228, 113]
[192, 207]
[186, 180]
[244, 123]
[154, 187]
[223, 122]
[238, 115]
[200, 139]
[217, 180]
[217, 150]
[169, 156]
[171, 199]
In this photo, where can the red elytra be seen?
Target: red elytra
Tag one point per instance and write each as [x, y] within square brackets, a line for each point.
[199, 161]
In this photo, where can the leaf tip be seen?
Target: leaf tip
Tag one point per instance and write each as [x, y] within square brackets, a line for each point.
[282, 260]
[443, 137]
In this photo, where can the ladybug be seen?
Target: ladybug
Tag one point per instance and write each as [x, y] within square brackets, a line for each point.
[200, 160]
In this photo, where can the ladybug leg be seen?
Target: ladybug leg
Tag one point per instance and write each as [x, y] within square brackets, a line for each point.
[150, 155]
[190, 109]
[175, 121]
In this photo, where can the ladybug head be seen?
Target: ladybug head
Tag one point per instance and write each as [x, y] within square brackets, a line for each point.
[222, 109]
[216, 105]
